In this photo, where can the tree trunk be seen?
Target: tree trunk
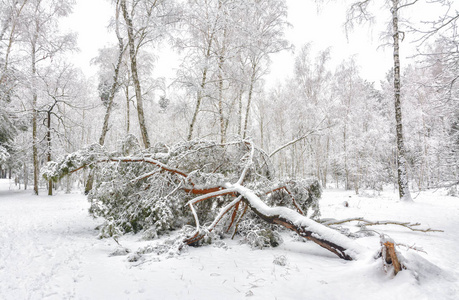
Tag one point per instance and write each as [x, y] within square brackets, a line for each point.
[239, 113]
[220, 101]
[90, 181]
[135, 77]
[26, 176]
[115, 81]
[347, 186]
[403, 188]
[48, 139]
[36, 169]
[199, 94]
[10, 41]
[324, 236]
[128, 112]
[249, 102]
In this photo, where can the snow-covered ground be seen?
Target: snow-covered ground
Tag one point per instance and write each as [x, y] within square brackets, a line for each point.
[49, 250]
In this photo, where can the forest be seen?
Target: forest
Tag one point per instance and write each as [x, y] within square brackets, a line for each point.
[217, 148]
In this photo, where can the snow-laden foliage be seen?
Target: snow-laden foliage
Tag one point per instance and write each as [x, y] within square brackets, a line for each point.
[147, 191]
[4, 155]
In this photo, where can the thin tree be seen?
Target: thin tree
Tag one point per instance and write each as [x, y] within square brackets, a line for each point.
[359, 13]
[263, 25]
[42, 41]
[114, 85]
[135, 76]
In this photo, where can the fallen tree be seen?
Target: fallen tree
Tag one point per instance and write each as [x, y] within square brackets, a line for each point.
[151, 189]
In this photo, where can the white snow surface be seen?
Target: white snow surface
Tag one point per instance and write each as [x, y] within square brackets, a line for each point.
[49, 250]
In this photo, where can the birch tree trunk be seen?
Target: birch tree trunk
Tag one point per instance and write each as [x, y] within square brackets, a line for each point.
[36, 169]
[404, 191]
[48, 140]
[135, 77]
[220, 101]
[239, 113]
[115, 80]
[249, 101]
[199, 93]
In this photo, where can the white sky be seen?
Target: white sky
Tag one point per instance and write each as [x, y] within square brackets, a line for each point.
[323, 28]
[90, 19]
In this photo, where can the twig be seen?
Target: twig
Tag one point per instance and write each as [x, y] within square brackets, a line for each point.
[239, 220]
[290, 194]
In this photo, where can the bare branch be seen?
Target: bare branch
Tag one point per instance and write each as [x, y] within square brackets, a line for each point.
[310, 132]
[363, 223]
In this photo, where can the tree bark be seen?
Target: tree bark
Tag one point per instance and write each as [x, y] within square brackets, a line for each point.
[404, 192]
[26, 175]
[239, 113]
[36, 169]
[199, 93]
[249, 102]
[220, 101]
[323, 236]
[128, 112]
[48, 139]
[135, 77]
[115, 80]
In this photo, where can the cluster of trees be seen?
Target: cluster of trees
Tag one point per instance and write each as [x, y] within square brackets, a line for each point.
[335, 126]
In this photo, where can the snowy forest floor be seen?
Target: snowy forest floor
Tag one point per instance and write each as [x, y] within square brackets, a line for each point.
[49, 250]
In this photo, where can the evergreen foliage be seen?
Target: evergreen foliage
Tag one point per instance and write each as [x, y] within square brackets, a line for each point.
[147, 190]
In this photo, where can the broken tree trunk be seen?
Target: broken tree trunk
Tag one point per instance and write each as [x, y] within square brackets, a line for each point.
[325, 237]
[390, 256]
[305, 227]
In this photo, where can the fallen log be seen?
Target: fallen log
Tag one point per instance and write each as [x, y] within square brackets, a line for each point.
[323, 236]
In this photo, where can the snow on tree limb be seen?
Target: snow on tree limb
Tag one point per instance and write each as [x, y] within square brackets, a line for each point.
[323, 236]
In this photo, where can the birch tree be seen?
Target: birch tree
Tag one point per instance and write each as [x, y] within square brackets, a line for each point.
[112, 84]
[359, 12]
[202, 23]
[262, 29]
[437, 45]
[228, 44]
[61, 87]
[43, 41]
[146, 22]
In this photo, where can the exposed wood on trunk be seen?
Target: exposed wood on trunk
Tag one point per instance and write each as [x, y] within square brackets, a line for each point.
[239, 220]
[233, 216]
[391, 257]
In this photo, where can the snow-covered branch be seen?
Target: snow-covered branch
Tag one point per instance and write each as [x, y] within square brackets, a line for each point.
[364, 223]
